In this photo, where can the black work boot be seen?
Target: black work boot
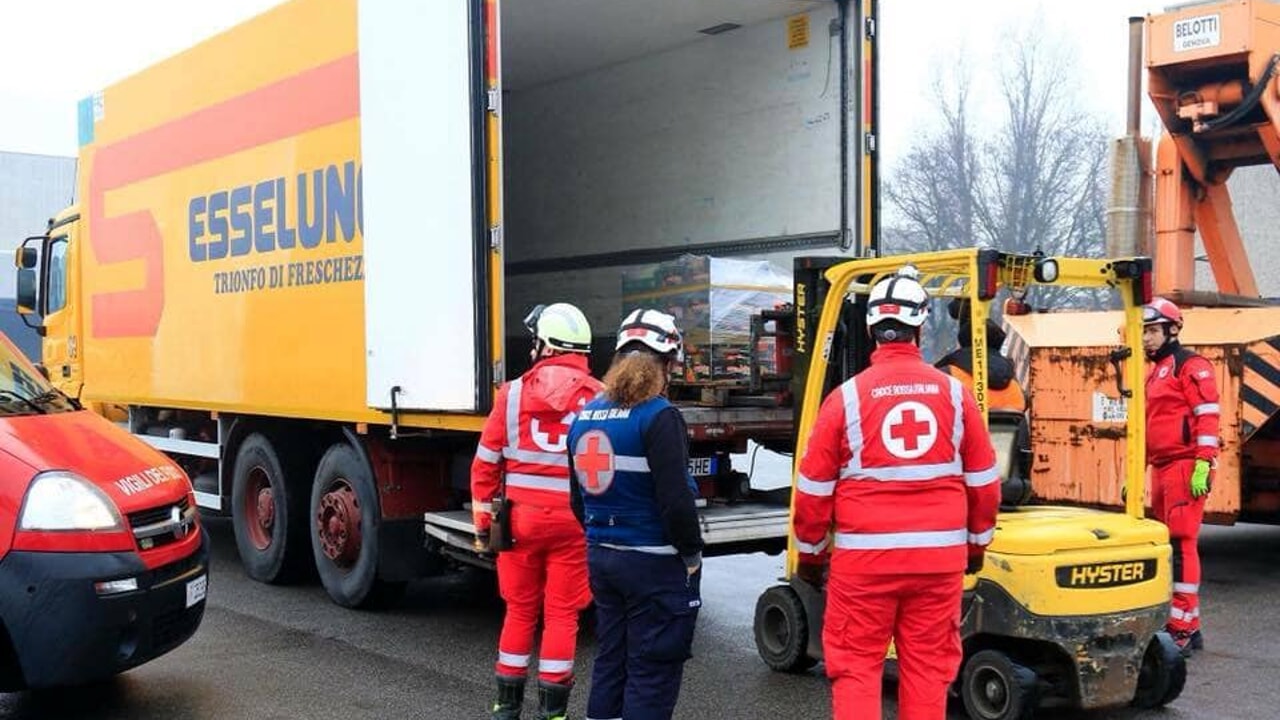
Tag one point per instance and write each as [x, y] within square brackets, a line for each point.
[553, 700]
[510, 698]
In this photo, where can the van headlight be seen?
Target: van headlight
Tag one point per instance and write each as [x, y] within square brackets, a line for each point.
[61, 500]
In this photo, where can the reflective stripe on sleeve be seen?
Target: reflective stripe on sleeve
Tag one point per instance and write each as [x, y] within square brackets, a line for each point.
[488, 455]
[982, 477]
[982, 538]
[817, 488]
[811, 549]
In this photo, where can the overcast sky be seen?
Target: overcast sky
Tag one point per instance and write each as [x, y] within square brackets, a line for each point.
[54, 52]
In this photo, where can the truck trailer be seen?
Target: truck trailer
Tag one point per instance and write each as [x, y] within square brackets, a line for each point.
[303, 246]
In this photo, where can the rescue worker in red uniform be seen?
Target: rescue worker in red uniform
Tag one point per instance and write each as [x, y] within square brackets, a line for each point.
[522, 454]
[1182, 450]
[900, 462]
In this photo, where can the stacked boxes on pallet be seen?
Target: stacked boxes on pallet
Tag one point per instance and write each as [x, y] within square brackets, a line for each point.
[713, 300]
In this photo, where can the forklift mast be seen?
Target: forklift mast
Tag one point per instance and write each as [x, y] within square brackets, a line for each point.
[850, 349]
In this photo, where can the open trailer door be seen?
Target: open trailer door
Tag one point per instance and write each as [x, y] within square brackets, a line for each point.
[423, 124]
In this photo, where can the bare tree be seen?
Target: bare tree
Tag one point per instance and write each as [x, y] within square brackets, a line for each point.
[1035, 179]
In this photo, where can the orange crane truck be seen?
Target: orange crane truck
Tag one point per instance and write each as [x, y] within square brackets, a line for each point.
[1212, 77]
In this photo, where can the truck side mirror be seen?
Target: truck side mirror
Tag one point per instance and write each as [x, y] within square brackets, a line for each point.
[26, 258]
[26, 291]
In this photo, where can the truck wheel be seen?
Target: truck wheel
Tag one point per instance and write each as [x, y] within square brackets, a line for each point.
[994, 687]
[269, 515]
[1163, 673]
[345, 516]
[782, 630]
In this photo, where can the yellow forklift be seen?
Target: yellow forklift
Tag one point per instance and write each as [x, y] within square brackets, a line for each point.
[1070, 608]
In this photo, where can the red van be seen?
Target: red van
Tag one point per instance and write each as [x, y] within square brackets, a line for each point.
[103, 561]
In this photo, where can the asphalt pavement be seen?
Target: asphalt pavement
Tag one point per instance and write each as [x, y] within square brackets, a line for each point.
[287, 652]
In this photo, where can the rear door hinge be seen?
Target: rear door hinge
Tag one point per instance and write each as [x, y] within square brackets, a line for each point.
[494, 101]
[871, 27]
[495, 238]
[498, 370]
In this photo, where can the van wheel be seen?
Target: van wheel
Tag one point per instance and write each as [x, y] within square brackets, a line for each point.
[994, 687]
[269, 515]
[1163, 673]
[345, 517]
[782, 630]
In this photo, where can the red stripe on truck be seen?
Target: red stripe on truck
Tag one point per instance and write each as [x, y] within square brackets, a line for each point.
[312, 99]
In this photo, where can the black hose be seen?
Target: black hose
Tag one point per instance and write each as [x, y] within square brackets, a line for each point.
[1250, 100]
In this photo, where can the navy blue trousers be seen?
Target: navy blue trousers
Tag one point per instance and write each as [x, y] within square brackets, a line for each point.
[646, 609]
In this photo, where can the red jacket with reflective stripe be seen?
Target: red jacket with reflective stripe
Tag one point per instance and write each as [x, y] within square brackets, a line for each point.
[1182, 407]
[524, 436]
[901, 464]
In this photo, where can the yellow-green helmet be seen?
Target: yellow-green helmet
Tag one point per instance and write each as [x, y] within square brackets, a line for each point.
[560, 326]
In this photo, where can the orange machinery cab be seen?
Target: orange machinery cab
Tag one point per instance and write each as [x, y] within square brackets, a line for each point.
[103, 562]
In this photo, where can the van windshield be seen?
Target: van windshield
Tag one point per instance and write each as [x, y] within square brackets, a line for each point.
[23, 390]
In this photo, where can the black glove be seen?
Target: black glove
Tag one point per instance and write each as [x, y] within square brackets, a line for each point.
[976, 561]
[813, 573]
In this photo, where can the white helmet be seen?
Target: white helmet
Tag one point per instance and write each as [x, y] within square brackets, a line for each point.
[899, 297]
[560, 326]
[654, 329]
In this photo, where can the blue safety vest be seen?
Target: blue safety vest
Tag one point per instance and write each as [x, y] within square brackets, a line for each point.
[612, 471]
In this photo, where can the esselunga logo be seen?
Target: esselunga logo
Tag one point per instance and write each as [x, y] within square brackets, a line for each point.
[305, 211]
[1105, 575]
[313, 209]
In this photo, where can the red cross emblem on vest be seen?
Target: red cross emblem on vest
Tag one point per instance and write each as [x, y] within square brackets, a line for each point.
[593, 462]
[910, 429]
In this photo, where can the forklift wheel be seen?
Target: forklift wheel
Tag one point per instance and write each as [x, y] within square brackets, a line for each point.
[1163, 674]
[994, 687]
[782, 630]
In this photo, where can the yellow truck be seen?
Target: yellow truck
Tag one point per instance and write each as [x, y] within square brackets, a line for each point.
[301, 247]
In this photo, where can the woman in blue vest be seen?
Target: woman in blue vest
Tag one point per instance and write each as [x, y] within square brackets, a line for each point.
[630, 488]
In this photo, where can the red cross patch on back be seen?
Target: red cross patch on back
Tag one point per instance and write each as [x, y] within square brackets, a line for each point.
[593, 462]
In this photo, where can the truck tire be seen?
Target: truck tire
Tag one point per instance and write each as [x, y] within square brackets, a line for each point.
[345, 516]
[994, 687]
[782, 630]
[1163, 673]
[269, 513]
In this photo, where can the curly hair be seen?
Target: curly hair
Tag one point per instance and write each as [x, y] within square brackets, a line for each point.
[634, 378]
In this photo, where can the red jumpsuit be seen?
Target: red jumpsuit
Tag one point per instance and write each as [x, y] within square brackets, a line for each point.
[1182, 427]
[902, 465]
[545, 572]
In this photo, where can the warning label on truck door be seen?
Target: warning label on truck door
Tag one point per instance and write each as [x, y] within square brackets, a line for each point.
[1198, 32]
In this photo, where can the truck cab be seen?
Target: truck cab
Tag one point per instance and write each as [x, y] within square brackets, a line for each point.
[103, 561]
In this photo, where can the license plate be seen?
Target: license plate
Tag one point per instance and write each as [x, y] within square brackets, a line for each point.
[196, 590]
[702, 466]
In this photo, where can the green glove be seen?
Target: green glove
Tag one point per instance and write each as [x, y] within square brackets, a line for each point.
[1200, 479]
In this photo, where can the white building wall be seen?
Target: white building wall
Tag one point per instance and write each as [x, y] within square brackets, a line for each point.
[1255, 196]
[33, 188]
